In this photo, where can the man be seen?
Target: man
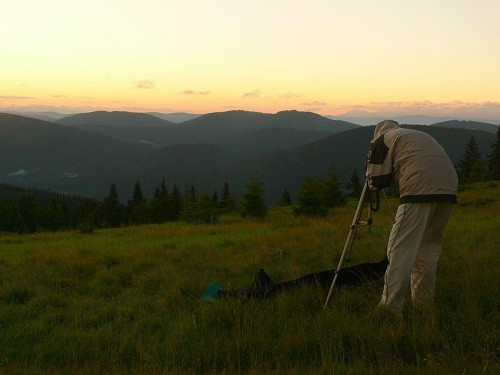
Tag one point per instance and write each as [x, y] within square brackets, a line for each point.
[428, 186]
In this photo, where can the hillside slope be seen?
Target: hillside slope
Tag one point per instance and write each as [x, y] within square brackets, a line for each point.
[61, 158]
[470, 125]
[348, 152]
[32, 149]
[212, 126]
[115, 118]
[252, 131]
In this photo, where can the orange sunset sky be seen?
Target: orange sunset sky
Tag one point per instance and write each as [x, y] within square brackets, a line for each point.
[329, 57]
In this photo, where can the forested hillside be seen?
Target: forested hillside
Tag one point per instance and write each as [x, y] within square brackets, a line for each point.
[71, 160]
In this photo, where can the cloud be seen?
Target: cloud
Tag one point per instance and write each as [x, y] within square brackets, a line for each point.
[291, 95]
[21, 172]
[456, 108]
[315, 103]
[14, 97]
[253, 94]
[191, 92]
[59, 96]
[145, 84]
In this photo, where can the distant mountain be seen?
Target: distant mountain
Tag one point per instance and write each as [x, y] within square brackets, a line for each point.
[367, 118]
[10, 194]
[179, 160]
[176, 117]
[44, 116]
[256, 141]
[229, 129]
[67, 159]
[226, 127]
[347, 150]
[152, 136]
[116, 118]
[33, 150]
[471, 125]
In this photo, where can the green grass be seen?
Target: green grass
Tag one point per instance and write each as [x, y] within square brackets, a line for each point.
[126, 300]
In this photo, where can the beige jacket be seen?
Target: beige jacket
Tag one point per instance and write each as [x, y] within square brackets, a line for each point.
[415, 161]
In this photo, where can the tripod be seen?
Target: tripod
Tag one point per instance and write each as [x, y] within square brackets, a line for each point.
[356, 222]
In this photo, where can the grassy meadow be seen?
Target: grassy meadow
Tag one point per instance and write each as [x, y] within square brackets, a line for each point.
[126, 300]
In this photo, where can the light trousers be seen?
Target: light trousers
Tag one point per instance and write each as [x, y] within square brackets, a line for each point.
[413, 251]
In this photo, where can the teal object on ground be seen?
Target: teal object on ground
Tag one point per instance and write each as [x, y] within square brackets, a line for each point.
[211, 294]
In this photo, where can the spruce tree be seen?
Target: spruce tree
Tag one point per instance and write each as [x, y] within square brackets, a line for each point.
[332, 189]
[11, 220]
[161, 203]
[227, 202]
[52, 220]
[113, 209]
[28, 210]
[471, 167]
[135, 206]
[494, 158]
[310, 199]
[138, 197]
[65, 216]
[285, 200]
[189, 212]
[176, 203]
[207, 209]
[192, 195]
[254, 203]
[354, 185]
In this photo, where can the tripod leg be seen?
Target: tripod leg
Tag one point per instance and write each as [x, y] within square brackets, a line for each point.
[350, 239]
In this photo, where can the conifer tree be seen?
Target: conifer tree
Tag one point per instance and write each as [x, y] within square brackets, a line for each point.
[161, 203]
[227, 202]
[310, 199]
[189, 212]
[254, 203]
[332, 187]
[135, 207]
[176, 203]
[28, 210]
[11, 220]
[494, 158]
[471, 167]
[65, 216]
[113, 209]
[354, 185]
[191, 195]
[138, 197]
[52, 219]
[285, 200]
[207, 209]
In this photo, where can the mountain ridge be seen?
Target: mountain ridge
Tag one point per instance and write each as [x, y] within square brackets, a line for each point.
[68, 159]
[114, 118]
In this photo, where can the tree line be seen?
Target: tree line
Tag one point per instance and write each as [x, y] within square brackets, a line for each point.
[473, 168]
[28, 215]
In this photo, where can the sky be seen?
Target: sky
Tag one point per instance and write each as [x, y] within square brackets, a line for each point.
[325, 56]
